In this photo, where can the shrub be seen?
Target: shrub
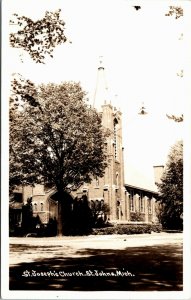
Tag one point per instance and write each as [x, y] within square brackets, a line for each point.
[99, 213]
[136, 217]
[128, 229]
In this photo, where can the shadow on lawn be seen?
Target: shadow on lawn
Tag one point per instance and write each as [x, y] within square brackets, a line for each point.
[155, 268]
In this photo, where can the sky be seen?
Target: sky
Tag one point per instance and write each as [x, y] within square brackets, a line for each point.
[142, 54]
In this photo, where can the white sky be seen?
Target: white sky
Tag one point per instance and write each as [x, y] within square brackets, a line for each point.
[142, 56]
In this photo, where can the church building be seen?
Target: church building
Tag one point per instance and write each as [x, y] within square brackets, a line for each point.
[127, 203]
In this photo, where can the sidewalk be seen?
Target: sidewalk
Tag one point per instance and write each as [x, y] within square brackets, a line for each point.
[150, 262]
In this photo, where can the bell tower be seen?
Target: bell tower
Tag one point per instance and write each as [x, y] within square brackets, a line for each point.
[111, 187]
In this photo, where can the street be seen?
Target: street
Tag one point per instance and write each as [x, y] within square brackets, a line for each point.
[145, 262]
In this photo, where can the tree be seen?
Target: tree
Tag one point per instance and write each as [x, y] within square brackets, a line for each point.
[27, 216]
[171, 189]
[38, 38]
[100, 212]
[80, 217]
[61, 144]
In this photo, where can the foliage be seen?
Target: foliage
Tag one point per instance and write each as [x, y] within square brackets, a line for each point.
[99, 211]
[175, 10]
[128, 229]
[38, 38]
[79, 220]
[136, 217]
[176, 118]
[171, 189]
[23, 91]
[178, 12]
[54, 146]
[29, 222]
[180, 73]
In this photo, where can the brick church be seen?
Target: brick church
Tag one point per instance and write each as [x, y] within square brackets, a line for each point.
[125, 201]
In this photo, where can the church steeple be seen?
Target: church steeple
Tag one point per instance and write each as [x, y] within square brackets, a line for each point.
[101, 91]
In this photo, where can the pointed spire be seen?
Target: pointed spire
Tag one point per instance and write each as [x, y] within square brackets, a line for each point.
[101, 63]
[142, 110]
[101, 92]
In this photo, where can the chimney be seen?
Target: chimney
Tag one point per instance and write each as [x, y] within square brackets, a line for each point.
[158, 172]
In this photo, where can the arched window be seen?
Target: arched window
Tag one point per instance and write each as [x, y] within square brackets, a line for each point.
[35, 206]
[96, 182]
[41, 206]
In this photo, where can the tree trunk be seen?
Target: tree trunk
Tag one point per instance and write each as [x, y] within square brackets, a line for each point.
[64, 212]
[59, 224]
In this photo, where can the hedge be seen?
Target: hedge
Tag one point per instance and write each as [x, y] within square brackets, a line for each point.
[128, 229]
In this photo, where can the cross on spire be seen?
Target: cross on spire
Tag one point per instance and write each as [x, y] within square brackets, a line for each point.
[100, 62]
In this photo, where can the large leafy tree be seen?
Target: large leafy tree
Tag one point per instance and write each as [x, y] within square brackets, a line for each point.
[171, 189]
[57, 139]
